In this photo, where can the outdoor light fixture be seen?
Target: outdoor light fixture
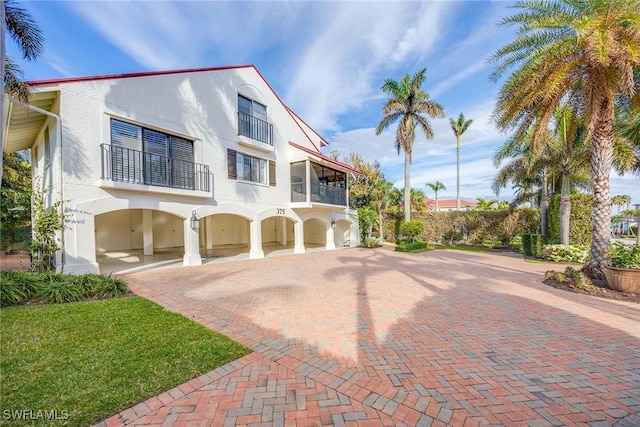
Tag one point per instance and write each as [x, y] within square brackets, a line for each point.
[333, 223]
[195, 221]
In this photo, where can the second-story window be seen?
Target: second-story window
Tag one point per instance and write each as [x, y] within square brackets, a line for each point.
[252, 120]
[248, 168]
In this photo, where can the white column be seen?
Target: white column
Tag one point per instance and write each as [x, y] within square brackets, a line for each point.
[80, 248]
[298, 238]
[308, 181]
[191, 245]
[283, 232]
[331, 244]
[255, 239]
[354, 235]
[147, 231]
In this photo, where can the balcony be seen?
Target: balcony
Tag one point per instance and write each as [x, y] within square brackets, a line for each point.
[136, 167]
[325, 185]
[255, 128]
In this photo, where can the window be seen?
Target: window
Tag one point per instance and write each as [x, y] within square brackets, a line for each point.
[148, 156]
[248, 168]
[252, 120]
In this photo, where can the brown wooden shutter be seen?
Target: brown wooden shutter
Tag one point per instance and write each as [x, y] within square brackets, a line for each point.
[272, 173]
[231, 164]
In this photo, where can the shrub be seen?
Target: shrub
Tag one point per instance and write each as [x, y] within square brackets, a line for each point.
[579, 219]
[566, 253]
[16, 287]
[625, 256]
[56, 288]
[411, 246]
[110, 288]
[532, 244]
[87, 283]
[371, 242]
[412, 229]
[571, 277]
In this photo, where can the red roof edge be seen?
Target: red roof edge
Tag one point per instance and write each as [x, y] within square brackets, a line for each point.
[323, 157]
[139, 74]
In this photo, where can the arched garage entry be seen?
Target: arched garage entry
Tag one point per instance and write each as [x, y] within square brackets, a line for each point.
[223, 235]
[315, 233]
[126, 236]
[278, 232]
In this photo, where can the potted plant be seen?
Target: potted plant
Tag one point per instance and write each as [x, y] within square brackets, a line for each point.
[624, 272]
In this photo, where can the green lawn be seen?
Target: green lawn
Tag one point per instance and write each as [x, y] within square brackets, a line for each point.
[94, 359]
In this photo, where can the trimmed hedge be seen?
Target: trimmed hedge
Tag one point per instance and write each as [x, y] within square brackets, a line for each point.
[532, 244]
[579, 219]
[405, 246]
[470, 227]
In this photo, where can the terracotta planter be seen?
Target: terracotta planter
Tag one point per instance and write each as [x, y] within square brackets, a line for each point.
[623, 279]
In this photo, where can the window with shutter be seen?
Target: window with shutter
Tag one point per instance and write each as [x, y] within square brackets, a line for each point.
[231, 164]
[272, 173]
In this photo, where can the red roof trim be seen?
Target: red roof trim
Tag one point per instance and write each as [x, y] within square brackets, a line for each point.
[140, 74]
[323, 157]
[312, 129]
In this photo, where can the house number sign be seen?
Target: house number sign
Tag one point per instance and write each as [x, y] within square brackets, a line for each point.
[280, 211]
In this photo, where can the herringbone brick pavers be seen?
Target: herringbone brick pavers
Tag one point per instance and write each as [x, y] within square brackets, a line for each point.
[372, 337]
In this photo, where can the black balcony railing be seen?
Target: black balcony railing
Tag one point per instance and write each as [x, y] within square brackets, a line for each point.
[137, 167]
[255, 128]
[331, 195]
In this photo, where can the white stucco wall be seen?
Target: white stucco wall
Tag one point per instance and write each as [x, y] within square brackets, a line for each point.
[201, 106]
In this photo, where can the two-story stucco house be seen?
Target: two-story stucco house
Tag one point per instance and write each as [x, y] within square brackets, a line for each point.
[190, 161]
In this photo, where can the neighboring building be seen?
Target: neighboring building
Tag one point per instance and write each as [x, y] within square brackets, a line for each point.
[187, 160]
[449, 205]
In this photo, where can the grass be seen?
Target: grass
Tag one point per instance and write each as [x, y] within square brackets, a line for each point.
[96, 358]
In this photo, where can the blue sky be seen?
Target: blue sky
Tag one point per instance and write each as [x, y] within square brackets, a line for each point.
[327, 60]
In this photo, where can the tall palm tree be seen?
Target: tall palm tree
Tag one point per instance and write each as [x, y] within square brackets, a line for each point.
[410, 105]
[436, 186]
[459, 127]
[27, 35]
[581, 51]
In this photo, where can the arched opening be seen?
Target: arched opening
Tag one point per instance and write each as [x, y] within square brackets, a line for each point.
[315, 233]
[277, 234]
[224, 235]
[342, 234]
[132, 237]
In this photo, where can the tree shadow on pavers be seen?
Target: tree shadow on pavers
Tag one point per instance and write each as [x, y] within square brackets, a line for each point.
[485, 354]
[534, 280]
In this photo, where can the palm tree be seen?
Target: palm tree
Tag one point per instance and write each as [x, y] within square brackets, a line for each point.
[503, 205]
[411, 105]
[459, 127]
[581, 51]
[486, 205]
[26, 33]
[436, 186]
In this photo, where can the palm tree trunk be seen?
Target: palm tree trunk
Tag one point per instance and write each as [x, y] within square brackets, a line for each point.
[458, 172]
[601, 161]
[407, 186]
[437, 207]
[544, 207]
[565, 209]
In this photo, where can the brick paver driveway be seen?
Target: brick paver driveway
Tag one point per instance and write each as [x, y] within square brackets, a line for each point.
[371, 337]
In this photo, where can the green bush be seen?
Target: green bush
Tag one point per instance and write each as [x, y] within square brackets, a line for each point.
[57, 288]
[625, 256]
[87, 283]
[371, 242]
[110, 288]
[566, 253]
[412, 229]
[532, 244]
[405, 246]
[17, 287]
[579, 219]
